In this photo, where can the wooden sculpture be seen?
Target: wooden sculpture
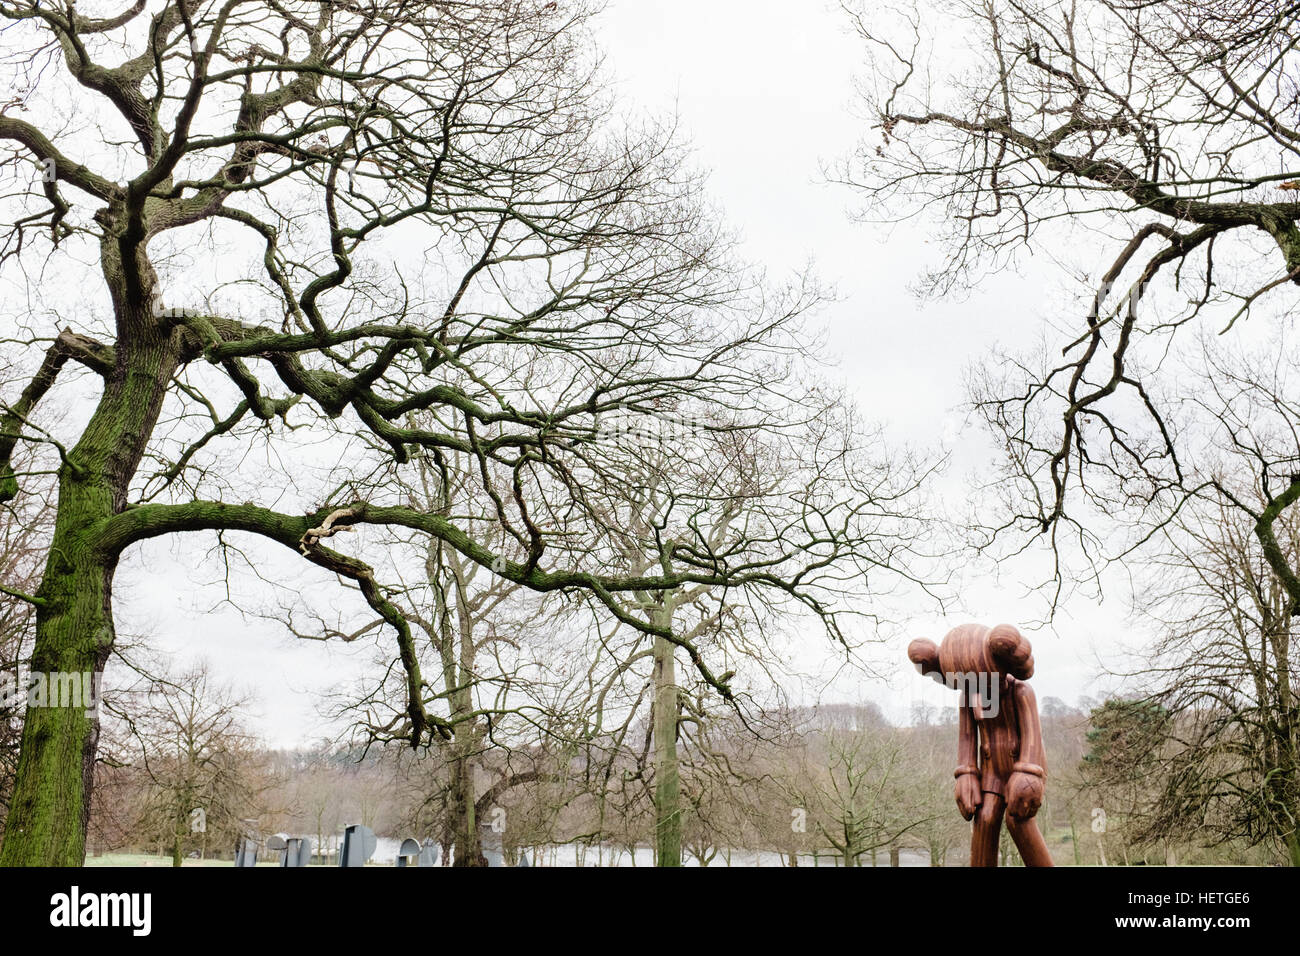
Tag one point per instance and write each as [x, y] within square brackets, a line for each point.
[1001, 766]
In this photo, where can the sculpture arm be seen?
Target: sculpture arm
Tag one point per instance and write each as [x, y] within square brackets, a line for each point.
[1033, 757]
[1029, 775]
[967, 773]
[967, 740]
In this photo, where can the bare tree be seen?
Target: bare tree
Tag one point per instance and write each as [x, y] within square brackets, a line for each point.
[1165, 134]
[442, 207]
[853, 785]
[940, 830]
[198, 770]
[26, 523]
[317, 797]
[803, 502]
[810, 501]
[1224, 668]
[24, 531]
[484, 653]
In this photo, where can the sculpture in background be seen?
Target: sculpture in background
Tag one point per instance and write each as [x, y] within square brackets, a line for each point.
[1001, 766]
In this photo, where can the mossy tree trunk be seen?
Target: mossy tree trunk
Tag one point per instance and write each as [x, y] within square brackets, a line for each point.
[74, 619]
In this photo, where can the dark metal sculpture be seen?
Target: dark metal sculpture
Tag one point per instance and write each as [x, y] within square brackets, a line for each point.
[1001, 766]
[294, 851]
[414, 853]
[246, 852]
[408, 851]
[359, 844]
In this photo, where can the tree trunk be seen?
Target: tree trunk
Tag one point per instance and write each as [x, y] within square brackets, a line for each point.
[55, 774]
[464, 818]
[668, 818]
[74, 622]
[453, 634]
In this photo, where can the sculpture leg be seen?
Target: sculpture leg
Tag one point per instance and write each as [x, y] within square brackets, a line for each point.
[1029, 841]
[985, 831]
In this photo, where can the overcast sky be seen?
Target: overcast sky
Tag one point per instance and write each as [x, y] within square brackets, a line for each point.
[767, 99]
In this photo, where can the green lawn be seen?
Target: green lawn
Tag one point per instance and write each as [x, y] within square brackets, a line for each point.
[149, 859]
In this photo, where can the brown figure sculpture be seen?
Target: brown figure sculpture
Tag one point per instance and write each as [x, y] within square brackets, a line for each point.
[998, 720]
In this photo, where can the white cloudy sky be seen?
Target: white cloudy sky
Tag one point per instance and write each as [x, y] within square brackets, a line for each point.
[766, 95]
[768, 98]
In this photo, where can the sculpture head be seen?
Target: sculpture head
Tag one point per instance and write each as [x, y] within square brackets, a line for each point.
[974, 649]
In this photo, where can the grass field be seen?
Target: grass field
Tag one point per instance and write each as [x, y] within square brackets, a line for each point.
[149, 859]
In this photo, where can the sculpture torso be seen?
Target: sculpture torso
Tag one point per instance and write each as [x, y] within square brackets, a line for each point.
[999, 736]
